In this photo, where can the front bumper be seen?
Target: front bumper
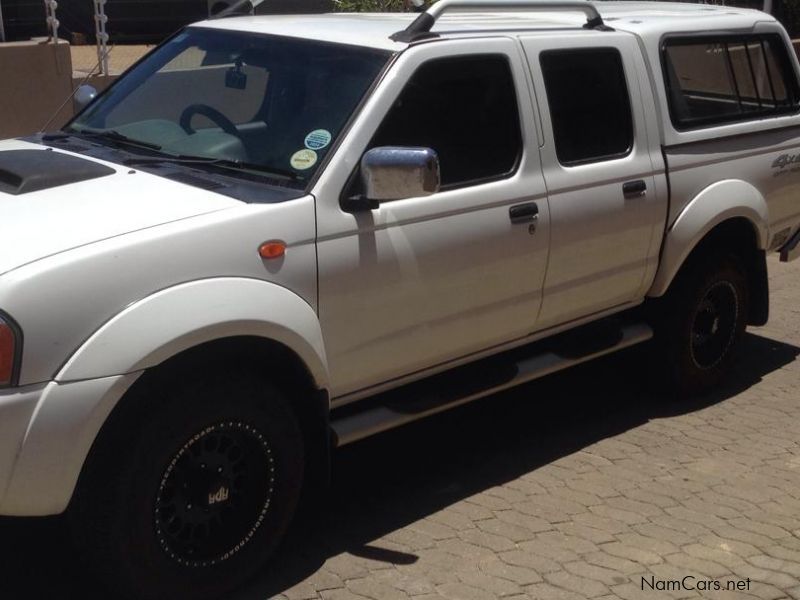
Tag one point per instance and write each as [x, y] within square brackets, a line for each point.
[46, 432]
[17, 407]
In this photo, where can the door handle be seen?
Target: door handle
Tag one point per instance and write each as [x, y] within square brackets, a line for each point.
[633, 189]
[524, 213]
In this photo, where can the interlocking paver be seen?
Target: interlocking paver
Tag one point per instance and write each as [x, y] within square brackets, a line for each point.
[632, 553]
[515, 573]
[371, 588]
[526, 523]
[588, 588]
[539, 564]
[545, 591]
[705, 567]
[499, 586]
[719, 555]
[460, 591]
[614, 563]
[590, 571]
[506, 531]
[776, 564]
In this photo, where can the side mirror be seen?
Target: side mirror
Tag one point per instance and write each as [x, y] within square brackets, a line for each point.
[394, 173]
[84, 96]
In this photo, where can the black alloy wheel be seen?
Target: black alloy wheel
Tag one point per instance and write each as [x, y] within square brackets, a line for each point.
[215, 494]
[714, 327]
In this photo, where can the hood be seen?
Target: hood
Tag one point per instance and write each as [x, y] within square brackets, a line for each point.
[52, 201]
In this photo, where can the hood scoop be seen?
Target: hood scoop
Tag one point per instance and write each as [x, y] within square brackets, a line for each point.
[26, 171]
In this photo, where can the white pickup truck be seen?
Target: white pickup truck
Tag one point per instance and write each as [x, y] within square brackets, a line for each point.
[277, 235]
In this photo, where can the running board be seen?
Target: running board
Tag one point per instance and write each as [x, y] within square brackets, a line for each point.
[470, 382]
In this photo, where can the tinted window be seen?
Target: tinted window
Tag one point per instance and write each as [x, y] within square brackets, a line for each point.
[466, 110]
[724, 79]
[589, 104]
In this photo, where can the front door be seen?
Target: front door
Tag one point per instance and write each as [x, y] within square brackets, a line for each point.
[423, 281]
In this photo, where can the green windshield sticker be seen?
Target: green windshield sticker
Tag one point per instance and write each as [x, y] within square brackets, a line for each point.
[303, 159]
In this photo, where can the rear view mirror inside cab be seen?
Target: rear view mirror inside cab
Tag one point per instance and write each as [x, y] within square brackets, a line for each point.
[235, 77]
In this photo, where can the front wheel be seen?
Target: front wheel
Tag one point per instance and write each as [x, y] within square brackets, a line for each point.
[190, 500]
[702, 322]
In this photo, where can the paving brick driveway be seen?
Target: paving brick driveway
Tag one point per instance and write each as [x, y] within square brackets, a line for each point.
[576, 486]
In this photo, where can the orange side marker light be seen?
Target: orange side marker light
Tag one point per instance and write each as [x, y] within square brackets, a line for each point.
[272, 250]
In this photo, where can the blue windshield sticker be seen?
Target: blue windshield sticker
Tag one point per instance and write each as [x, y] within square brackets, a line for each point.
[318, 139]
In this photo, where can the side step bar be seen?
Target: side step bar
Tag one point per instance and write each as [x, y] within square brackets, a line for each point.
[483, 378]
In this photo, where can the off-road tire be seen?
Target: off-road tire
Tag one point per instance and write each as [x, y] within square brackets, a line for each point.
[700, 323]
[149, 466]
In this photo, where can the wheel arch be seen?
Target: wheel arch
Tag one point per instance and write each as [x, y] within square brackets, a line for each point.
[729, 234]
[230, 320]
[724, 214]
[273, 360]
[157, 328]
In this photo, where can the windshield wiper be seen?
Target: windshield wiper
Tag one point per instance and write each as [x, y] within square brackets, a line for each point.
[114, 136]
[224, 163]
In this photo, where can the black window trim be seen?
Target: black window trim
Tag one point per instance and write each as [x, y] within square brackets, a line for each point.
[605, 157]
[784, 65]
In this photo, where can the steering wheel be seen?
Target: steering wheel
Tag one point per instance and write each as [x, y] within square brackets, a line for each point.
[210, 113]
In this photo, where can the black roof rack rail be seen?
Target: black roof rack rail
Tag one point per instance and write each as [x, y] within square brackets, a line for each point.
[420, 28]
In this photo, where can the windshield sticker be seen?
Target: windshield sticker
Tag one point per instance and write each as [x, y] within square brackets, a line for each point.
[304, 159]
[318, 139]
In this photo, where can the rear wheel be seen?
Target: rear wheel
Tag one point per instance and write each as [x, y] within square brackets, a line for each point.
[702, 322]
[192, 497]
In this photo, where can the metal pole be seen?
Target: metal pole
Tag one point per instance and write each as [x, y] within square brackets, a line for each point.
[100, 20]
[767, 7]
[2, 27]
[50, 7]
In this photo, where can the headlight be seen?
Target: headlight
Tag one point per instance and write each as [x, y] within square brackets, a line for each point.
[10, 340]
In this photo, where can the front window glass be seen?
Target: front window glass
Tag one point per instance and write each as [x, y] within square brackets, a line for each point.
[464, 108]
[265, 103]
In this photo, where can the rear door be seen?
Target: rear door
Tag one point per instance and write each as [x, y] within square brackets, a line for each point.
[602, 166]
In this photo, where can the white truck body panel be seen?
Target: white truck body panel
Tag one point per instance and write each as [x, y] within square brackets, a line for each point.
[222, 244]
[42, 477]
[140, 201]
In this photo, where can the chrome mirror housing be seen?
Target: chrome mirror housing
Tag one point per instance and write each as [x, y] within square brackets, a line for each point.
[395, 173]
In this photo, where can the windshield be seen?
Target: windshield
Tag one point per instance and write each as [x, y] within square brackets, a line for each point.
[260, 103]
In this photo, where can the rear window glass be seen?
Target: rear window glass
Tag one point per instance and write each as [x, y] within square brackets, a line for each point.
[726, 79]
[589, 104]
